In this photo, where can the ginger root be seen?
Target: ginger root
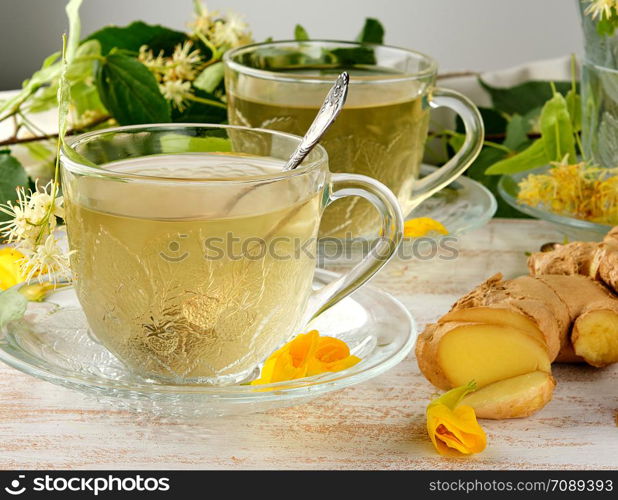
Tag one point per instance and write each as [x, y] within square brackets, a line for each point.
[514, 397]
[598, 261]
[594, 337]
[505, 330]
[452, 354]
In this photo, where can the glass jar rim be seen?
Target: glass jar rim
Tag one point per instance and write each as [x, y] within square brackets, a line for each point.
[228, 59]
[101, 171]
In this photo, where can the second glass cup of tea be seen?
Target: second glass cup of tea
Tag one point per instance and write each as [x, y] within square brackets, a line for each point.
[382, 129]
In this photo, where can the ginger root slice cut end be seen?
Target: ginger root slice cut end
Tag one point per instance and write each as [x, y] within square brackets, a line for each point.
[595, 337]
[488, 353]
[515, 397]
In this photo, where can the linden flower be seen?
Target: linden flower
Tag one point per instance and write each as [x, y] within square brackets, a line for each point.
[182, 65]
[421, 226]
[43, 202]
[204, 19]
[231, 31]
[453, 428]
[18, 226]
[156, 65]
[600, 8]
[48, 258]
[223, 31]
[10, 267]
[177, 92]
[306, 355]
[33, 216]
[578, 190]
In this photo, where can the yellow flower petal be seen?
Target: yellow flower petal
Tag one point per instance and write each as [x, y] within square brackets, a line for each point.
[453, 428]
[306, 355]
[36, 292]
[421, 226]
[10, 267]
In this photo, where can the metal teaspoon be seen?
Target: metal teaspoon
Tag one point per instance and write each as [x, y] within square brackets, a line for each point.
[335, 99]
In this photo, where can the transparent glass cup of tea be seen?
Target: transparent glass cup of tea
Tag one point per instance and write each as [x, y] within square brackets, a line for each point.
[194, 253]
[382, 129]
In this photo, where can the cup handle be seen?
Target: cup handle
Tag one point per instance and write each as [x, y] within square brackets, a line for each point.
[475, 133]
[391, 217]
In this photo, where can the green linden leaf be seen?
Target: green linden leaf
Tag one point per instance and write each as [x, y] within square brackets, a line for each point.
[75, 27]
[517, 133]
[532, 157]
[556, 129]
[199, 112]
[607, 26]
[49, 71]
[372, 32]
[456, 141]
[574, 104]
[486, 158]
[494, 121]
[81, 66]
[12, 176]
[209, 79]
[130, 91]
[52, 66]
[38, 151]
[64, 100]
[524, 97]
[136, 34]
[179, 143]
[12, 306]
[352, 57]
[300, 33]
[46, 98]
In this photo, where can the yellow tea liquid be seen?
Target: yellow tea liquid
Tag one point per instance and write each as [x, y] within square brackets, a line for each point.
[178, 286]
[380, 132]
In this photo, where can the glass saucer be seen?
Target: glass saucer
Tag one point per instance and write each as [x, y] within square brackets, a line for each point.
[462, 206]
[52, 342]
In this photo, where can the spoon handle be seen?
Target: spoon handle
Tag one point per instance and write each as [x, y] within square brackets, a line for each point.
[326, 116]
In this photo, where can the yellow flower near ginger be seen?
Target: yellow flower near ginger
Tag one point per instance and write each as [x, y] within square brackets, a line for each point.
[36, 292]
[11, 272]
[452, 427]
[306, 355]
[422, 226]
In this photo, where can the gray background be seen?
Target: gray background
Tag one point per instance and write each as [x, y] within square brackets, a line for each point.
[460, 34]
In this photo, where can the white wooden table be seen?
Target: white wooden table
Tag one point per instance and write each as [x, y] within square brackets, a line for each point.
[379, 424]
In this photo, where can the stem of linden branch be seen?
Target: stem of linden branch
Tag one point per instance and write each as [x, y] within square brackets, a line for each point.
[22, 140]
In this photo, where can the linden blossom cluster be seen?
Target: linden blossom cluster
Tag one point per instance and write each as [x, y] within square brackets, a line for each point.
[175, 74]
[601, 8]
[605, 15]
[33, 219]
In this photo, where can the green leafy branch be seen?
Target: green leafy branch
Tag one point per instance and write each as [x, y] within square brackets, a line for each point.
[110, 82]
[559, 140]
[531, 124]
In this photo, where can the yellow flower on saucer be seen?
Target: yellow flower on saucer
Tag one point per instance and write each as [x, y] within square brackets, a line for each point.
[306, 355]
[421, 226]
[453, 428]
[10, 267]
